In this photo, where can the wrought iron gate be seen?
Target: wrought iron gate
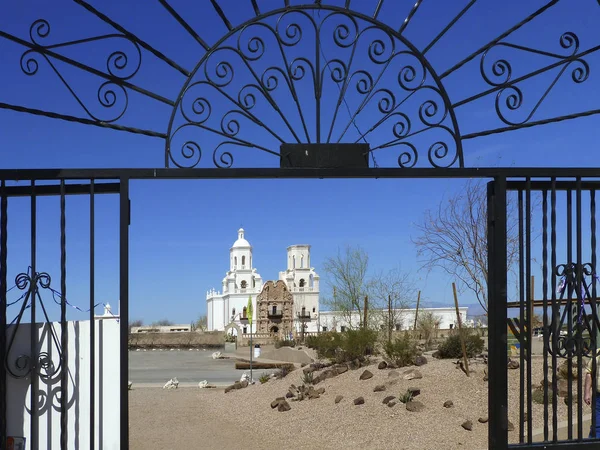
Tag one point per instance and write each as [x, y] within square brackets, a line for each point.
[40, 380]
[545, 230]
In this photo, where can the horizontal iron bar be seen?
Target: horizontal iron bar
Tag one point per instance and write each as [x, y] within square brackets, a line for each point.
[161, 173]
[549, 303]
[83, 120]
[70, 189]
[547, 185]
[565, 445]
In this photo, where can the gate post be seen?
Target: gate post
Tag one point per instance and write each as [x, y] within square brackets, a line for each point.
[497, 279]
[124, 220]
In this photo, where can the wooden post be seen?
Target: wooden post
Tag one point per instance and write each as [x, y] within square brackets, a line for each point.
[365, 316]
[390, 324]
[417, 311]
[460, 334]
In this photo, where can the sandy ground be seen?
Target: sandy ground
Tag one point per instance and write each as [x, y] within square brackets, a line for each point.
[210, 419]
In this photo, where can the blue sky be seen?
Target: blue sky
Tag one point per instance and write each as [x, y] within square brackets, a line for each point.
[181, 231]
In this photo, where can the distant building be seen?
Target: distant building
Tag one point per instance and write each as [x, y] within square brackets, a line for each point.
[181, 328]
[405, 318]
[280, 307]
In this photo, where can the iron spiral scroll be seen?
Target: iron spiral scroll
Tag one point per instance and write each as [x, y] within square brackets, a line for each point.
[297, 76]
[580, 337]
[42, 363]
[315, 73]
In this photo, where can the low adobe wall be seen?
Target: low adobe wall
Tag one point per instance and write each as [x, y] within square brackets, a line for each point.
[210, 339]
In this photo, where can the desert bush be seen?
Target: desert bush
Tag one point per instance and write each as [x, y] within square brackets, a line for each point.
[358, 344]
[308, 378]
[406, 397]
[283, 372]
[285, 343]
[264, 378]
[451, 347]
[402, 351]
[345, 346]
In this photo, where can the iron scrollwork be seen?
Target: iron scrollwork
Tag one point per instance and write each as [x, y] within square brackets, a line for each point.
[295, 77]
[510, 97]
[40, 364]
[577, 338]
[120, 65]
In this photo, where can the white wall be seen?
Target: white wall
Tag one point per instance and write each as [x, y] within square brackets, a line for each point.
[107, 399]
[447, 316]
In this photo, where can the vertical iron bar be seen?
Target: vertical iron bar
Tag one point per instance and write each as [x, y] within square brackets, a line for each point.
[34, 424]
[555, 310]
[3, 305]
[92, 324]
[580, 309]
[377, 9]
[529, 303]
[545, 326]
[594, 307]
[318, 87]
[569, 313]
[497, 263]
[522, 324]
[64, 342]
[124, 219]
[255, 7]
[347, 4]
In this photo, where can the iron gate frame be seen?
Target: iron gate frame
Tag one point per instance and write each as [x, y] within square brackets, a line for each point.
[498, 80]
[29, 282]
[500, 178]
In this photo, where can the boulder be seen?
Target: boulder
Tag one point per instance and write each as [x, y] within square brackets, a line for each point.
[391, 403]
[393, 374]
[382, 365]
[283, 406]
[289, 395]
[511, 427]
[420, 361]
[512, 364]
[467, 425]
[483, 419]
[448, 404]
[338, 398]
[228, 389]
[388, 399]
[366, 375]
[275, 403]
[321, 391]
[359, 401]
[436, 354]
[244, 384]
[379, 388]
[414, 391]
[415, 406]
[342, 369]
[412, 374]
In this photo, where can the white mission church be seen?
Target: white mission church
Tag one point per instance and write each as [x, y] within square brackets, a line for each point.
[242, 281]
[281, 307]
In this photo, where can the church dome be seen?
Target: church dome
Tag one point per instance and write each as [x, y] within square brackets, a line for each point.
[241, 242]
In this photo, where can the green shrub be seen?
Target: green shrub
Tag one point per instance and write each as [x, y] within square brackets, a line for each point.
[402, 351]
[451, 347]
[345, 346]
[285, 343]
[406, 397]
[264, 378]
[308, 378]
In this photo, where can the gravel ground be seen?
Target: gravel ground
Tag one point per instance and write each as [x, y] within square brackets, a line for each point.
[209, 419]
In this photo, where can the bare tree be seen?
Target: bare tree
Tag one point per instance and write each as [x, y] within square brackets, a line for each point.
[135, 323]
[162, 323]
[202, 323]
[347, 275]
[392, 293]
[454, 238]
[427, 326]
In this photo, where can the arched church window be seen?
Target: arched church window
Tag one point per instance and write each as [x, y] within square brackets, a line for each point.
[243, 260]
[253, 282]
[235, 262]
[244, 312]
[233, 312]
[302, 282]
[244, 284]
[310, 281]
[302, 261]
[294, 261]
